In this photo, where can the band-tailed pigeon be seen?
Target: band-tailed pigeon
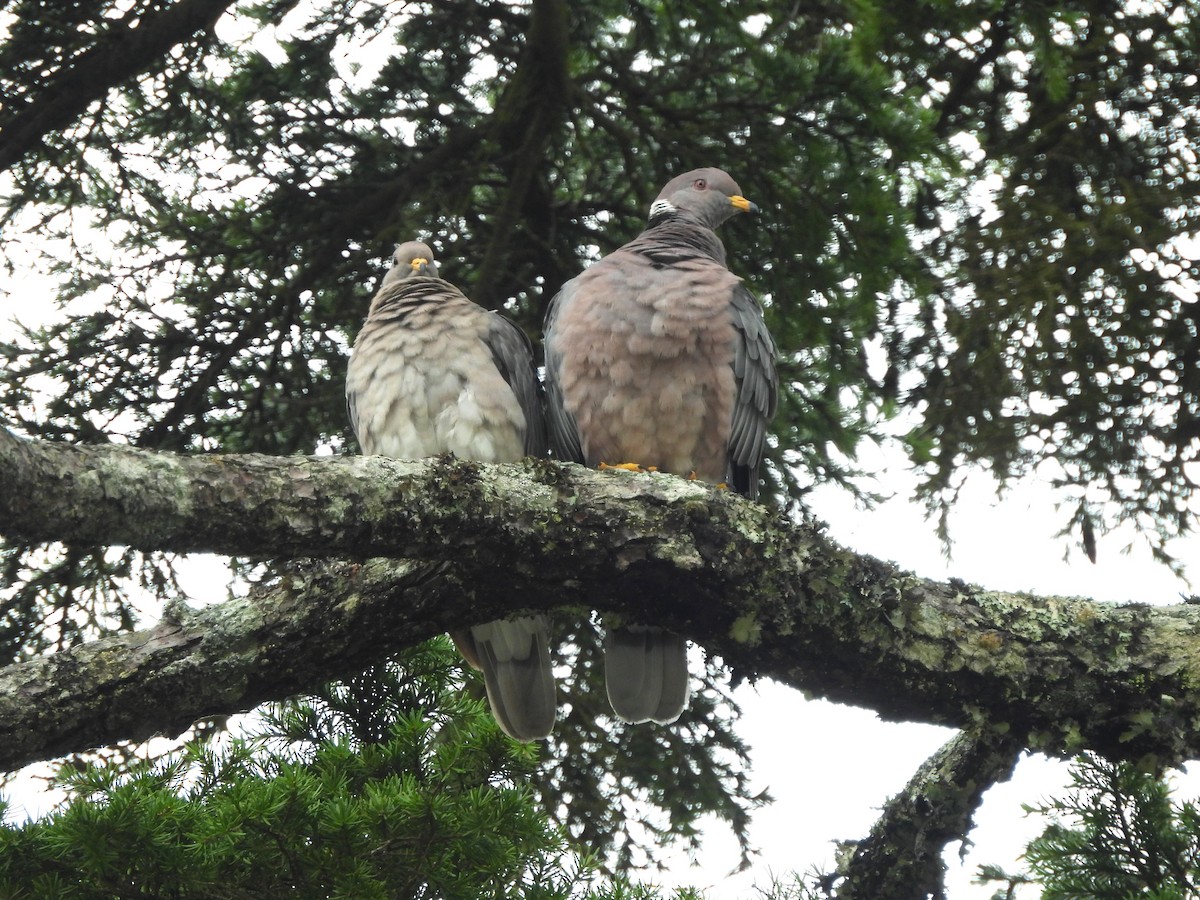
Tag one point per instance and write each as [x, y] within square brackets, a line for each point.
[657, 355]
[432, 372]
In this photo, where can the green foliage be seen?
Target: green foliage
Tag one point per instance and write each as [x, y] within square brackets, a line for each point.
[1117, 834]
[625, 792]
[396, 785]
[1060, 334]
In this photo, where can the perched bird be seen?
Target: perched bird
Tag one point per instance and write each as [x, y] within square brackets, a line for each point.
[658, 355]
[432, 373]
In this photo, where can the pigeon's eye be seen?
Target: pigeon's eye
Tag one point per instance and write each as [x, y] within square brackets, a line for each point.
[700, 184]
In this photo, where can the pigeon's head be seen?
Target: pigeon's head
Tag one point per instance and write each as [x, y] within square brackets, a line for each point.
[707, 195]
[411, 258]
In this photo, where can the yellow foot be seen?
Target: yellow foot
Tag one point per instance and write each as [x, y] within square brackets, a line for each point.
[628, 467]
[720, 486]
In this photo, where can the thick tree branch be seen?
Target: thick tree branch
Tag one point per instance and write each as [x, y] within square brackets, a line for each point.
[772, 597]
[531, 110]
[310, 625]
[901, 859]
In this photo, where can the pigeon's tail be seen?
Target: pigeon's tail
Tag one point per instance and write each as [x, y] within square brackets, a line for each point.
[646, 672]
[514, 656]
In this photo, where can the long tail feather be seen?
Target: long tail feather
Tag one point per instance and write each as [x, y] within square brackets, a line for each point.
[514, 656]
[646, 672]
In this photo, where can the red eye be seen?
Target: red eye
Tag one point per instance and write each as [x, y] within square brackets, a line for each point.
[700, 184]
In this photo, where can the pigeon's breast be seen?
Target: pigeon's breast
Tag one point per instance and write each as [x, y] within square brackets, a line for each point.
[647, 365]
[424, 383]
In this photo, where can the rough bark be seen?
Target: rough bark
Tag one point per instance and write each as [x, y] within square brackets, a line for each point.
[901, 858]
[308, 625]
[772, 597]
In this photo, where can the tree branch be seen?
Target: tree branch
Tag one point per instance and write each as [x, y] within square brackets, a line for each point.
[902, 857]
[117, 55]
[308, 626]
[772, 597]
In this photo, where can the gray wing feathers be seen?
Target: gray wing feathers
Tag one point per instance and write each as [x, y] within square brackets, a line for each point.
[564, 434]
[514, 655]
[646, 673]
[757, 392]
[352, 410]
[513, 355]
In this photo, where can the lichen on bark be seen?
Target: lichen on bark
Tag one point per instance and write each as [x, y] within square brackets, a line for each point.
[772, 597]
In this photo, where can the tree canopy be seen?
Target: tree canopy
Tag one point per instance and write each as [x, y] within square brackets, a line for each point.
[977, 237]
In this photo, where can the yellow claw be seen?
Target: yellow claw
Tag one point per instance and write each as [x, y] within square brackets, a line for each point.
[628, 467]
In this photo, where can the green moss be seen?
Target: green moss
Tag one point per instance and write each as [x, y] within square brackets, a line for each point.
[1140, 722]
[545, 471]
[746, 629]
[930, 655]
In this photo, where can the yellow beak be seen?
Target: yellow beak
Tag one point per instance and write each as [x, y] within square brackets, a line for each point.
[743, 204]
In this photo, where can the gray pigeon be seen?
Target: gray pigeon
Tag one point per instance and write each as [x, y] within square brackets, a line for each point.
[657, 355]
[432, 373]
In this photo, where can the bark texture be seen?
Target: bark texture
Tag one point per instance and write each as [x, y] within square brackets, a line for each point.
[901, 858]
[310, 624]
[772, 597]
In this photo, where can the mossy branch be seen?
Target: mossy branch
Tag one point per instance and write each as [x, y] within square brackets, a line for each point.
[901, 858]
[772, 597]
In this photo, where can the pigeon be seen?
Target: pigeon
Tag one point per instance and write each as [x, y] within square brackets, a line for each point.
[432, 373]
[657, 356]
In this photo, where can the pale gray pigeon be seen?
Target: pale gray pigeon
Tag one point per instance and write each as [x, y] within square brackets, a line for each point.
[658, 355]
[432, 373]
